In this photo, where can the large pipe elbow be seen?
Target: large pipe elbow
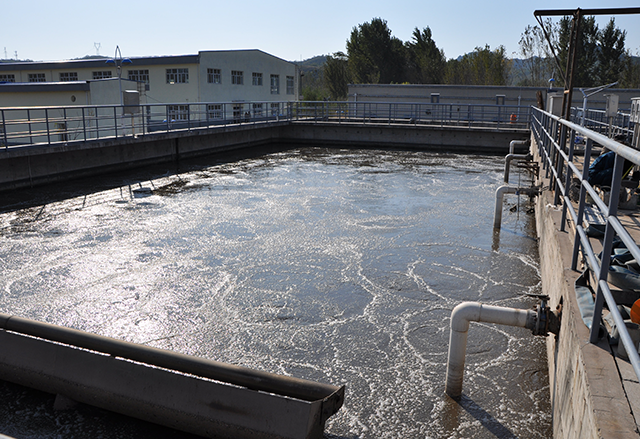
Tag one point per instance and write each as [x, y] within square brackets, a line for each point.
[461, 316]
[467, 312]
[497, 213]
[513, 143]
[507, 164]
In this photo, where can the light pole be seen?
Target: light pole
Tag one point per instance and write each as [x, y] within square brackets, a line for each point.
[587, 92]
[118, 61]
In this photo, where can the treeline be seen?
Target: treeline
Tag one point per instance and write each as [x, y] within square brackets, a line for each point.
[374, 56]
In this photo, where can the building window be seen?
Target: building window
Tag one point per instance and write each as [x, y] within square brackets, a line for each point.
[7, 78]
[104, 74]
[68, 76]
[275, 109]
[290, 85]
[214, 111]
[177, 76]
[138, 75]
[237, 77]
[275, 84]
[141, 77]
[177, 112]
[257, 78]
[37, 77]
[214, 76]
[257, 110]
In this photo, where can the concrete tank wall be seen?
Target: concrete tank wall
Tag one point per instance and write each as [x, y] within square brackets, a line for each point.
[34, 165]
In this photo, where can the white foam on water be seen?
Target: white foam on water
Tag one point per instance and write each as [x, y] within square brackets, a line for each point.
[337, 266]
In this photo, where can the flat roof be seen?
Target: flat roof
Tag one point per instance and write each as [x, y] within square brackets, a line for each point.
[98, 63]
[101, 63]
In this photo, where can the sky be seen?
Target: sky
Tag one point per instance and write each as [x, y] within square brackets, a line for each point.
[291, 30]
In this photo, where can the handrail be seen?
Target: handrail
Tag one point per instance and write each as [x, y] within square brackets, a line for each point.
[558, 159]
[48, 125]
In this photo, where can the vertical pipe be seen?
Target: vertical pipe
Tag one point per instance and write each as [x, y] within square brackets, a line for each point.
[507, 163]
[461, 316]
[497, 213]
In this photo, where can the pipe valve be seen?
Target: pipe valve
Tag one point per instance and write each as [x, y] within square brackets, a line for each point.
[547, 321]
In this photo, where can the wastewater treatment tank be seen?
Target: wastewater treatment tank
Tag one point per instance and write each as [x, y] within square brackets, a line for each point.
[335, 266]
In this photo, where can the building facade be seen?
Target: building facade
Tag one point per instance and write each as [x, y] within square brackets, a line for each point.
[209, 76]
[104, 97]
[477, 94]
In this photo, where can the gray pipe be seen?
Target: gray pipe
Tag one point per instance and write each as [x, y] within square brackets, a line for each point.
[513, 143]
[497, 213]
[508, 160]
[477, 312]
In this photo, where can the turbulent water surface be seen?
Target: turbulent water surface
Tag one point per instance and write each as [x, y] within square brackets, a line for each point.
[332, 265]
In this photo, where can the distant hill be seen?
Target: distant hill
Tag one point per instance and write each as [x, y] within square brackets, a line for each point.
[312, 63]
[15, 60]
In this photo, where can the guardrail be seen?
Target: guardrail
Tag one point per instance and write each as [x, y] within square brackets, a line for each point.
[25, 126]
[597, 120]
[556, 139]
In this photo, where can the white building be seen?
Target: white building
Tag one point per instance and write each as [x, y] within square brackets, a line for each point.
[209, 76]
[238, 84]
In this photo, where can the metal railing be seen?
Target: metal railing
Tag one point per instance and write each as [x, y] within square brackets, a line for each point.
[597, 120]
[25, 126]
[464, 115]
[559, 161]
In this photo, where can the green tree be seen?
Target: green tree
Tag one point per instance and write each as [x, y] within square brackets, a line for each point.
[611, 53]
[630, 75]
[587, 50]
[483, 66]
[375, 57]
[538, 64]
[425, 62]
[336, 75]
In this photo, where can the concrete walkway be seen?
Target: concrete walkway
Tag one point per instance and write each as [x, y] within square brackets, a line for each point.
[594, 393]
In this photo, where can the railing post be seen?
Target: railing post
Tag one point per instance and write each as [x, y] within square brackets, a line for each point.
[4, 130]
[607, 244]
[46, 121]
[65, 135]
[97, 123]
[560, 162]
[84, 125]
[115, 121]
[567, 181]
[581, 203]
[29, 123]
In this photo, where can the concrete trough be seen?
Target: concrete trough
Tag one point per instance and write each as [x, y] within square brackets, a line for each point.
[187, 393]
